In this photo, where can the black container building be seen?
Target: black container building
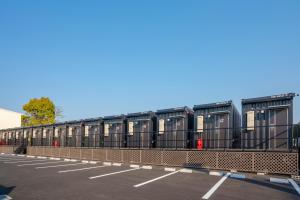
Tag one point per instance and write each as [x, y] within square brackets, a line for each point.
[19, 136]
[141, 128]
[2, 137]
[11, 137]
[37, 132]
[93, 134]
[48, 133]
[27, 135]
[174, 128]
[217, 124]
[60, 133]
[75, 134]
[115, 131]
[267, 122]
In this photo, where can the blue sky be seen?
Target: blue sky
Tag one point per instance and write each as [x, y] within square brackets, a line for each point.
[96, 58]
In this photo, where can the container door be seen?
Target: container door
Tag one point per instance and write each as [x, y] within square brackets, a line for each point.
[278, 130]
[49, 136]
[56, 137]
[62, 137]
[162, 132]
[170, 134]
[216, 131]
[77, 135]
[133, 130]
[261, 140]
[96, 131]
[117, 135]
[209, 127]
[225, 135]
[137, 135]
[180, 137]
[145, 135]
[107, 135]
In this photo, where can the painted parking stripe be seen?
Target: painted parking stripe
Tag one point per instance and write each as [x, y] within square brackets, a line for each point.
[109, 174]
[295, 185]
[5, 197]
[55, 166]
[155, 179]
[80, 169]
[12, 160]
[42, 163]
[216, 186]
[24, 161]
[21, 158]
[15, 158]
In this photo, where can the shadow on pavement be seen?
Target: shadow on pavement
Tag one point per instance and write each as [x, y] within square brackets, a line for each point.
[6, 190]
[281, 187]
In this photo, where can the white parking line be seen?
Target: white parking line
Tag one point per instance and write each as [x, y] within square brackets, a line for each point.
[54, 166]
[40, 163]
[5, 197]
[15, 158]
[216, 186]
[4, 159]
[12, 160]
[119, 172]
[24, 161]
[80, 169]
[155, 179]
[295, 185]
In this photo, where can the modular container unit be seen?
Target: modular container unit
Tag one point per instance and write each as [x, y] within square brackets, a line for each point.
[115, 131]
[75, 135]
[11, 137]
[48, 134]
[141, 129]
[60, 133]
[27, 134]
[174, 128]
[217, 125]
[267, 122]
[37, 133]
[2, 137]
[19, 137]
[93, 134]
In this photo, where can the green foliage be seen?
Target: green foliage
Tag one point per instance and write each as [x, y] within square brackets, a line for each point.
[39, 111]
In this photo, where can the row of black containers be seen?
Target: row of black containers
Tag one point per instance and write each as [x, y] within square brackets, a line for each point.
[266, 124]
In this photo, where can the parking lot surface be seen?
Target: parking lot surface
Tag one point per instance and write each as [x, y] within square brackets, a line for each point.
[23, 177]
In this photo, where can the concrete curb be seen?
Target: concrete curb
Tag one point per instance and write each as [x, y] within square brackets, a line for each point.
[146, 167]
[107, 163]
[279, 180]
[214, 173]
[186, 171]
[134, 166]
[168, 169]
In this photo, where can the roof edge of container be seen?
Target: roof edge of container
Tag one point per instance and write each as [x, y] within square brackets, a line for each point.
[114, 117]
[178, 109]
[213, 105]
[93, 119]
[138, 114]
[286, 96]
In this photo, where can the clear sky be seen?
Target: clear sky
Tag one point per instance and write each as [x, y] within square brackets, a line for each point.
[97, 58]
